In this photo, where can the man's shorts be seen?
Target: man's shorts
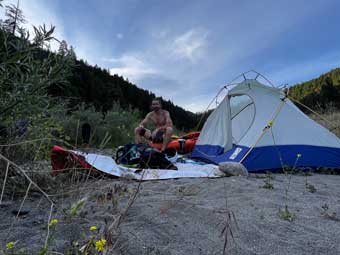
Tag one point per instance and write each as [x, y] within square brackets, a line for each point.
[155, 136]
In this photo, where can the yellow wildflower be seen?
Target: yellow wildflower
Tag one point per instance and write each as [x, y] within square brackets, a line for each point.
[53, 222]
[270, 124]
[100, 244]
[10, 245]
[93, 228]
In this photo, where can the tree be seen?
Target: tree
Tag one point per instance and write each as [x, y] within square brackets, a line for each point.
[26, 72]
[63, 48]
[14, 19]
[329, 93]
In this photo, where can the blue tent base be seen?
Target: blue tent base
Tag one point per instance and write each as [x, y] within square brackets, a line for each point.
[271, 158]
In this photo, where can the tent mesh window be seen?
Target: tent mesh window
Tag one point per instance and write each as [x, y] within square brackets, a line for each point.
[242, 109]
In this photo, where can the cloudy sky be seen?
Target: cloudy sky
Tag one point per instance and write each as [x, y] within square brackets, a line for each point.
[186, 50]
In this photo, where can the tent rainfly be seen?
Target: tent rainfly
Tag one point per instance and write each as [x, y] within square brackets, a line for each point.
[261, 128]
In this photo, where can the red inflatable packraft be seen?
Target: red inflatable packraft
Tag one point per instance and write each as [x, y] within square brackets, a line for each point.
[183, 144]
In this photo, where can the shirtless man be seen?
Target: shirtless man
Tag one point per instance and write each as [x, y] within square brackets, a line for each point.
[161, 119]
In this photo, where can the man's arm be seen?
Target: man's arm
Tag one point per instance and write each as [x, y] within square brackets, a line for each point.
[146, 120]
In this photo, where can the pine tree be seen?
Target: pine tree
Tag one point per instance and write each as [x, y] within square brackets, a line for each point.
[63, 48]
[14, 19]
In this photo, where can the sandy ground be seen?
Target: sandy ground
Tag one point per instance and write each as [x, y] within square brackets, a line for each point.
[187, 216]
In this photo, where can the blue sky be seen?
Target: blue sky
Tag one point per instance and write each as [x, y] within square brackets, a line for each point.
[186, 50]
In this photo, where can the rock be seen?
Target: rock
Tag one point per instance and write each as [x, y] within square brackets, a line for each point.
[233, 169]
[20, 213]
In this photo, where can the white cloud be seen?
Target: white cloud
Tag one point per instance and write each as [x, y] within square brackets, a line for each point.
[131, 67]
[119, 36]
[190, 45]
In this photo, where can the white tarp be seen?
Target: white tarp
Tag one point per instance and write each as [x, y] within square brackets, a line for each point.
[108, 165]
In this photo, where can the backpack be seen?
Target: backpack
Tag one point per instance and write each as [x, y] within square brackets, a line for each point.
[152, 158]
[142, 155]
[129, 154]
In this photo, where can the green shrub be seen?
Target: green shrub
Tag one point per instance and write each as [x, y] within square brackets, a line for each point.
[116, 127]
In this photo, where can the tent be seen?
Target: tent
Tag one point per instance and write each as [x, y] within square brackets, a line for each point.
[259, 126]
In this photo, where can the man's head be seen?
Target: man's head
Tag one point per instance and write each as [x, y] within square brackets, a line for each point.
[156, 104]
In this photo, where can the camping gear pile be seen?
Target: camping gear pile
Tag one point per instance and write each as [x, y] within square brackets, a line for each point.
[139, 161]
[63, 159]
[144, 156]
[254, 128]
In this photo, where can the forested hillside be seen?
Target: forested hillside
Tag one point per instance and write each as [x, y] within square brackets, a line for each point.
[98, 87]
[319, 93]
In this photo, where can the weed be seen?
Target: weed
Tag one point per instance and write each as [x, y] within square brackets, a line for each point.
[310, 188]
[267, 184]
[285, 214]
[75, 208]
[229, 220]
[188, 190]
[327, 214]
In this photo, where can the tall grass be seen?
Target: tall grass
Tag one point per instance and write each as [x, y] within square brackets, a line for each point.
[330, 119]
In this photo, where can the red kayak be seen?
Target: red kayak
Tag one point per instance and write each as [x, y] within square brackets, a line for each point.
[183, 144]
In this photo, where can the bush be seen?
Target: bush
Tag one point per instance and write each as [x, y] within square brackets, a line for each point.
[114, 128]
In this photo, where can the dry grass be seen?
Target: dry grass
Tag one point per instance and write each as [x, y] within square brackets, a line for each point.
[18, 182]
[330, 119]
[229, 223]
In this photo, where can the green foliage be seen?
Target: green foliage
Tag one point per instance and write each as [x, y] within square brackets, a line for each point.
[311, 188]
[319, 93]
[114, 128]
[268, 181]
[26, 72]
[96, 86]
[288, 172]
[14, 18]
[267, 184]
[285, 214]
[25, 77]
[76, 207]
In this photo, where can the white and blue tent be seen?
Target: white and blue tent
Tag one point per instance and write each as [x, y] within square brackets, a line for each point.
[260, 127]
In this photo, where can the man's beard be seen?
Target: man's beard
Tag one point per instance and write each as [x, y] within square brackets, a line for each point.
[155, 109]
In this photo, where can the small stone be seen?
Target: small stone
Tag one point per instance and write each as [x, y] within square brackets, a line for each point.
[233, 169]
[21, 213]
